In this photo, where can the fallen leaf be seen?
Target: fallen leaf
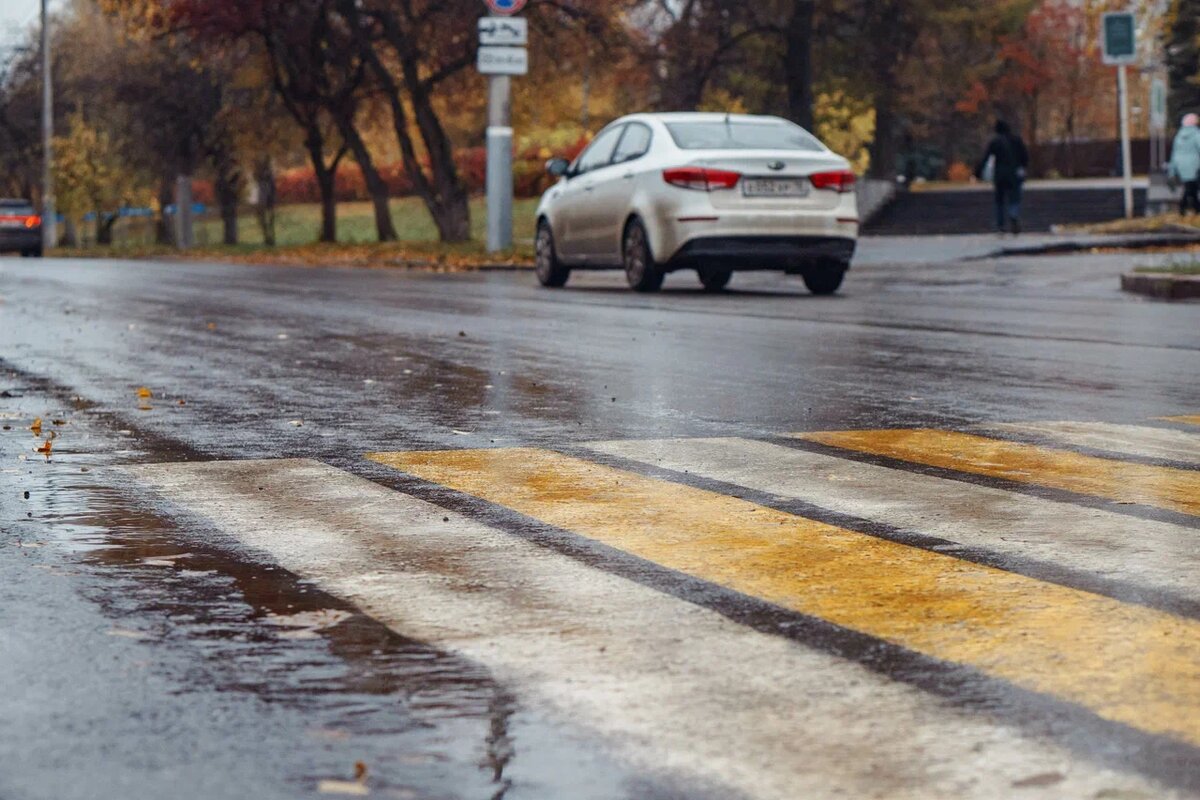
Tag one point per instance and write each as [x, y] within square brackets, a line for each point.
[143, 392]
[46, 447]
[36, 427]
[59, 421]
[125, 633]
[1041, 779]
[342, 787]
[360, 771]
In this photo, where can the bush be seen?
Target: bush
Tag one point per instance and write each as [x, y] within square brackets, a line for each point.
[959, 172]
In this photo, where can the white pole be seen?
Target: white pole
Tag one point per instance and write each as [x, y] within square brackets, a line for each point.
[49, 234]
[1126, 166]
[499, 164]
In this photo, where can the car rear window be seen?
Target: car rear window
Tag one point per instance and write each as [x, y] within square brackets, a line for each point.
[741, 135]
[16, 207]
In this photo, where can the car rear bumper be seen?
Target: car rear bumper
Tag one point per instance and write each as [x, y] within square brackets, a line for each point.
[18, 239]
[763, 252]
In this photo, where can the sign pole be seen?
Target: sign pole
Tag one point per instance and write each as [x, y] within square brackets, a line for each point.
[49, 216]
[499, 164]
[502, 54]
[1126, 166]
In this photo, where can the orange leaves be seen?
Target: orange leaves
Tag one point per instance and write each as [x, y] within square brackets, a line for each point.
[36, 427]
[45, 448]
[144, 394]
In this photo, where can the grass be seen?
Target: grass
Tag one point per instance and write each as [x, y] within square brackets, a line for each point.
[1183, 268]
[1164, 223]
[300, 224]
[297, 228]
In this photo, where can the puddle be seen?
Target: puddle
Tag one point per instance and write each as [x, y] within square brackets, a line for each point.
[282, 687]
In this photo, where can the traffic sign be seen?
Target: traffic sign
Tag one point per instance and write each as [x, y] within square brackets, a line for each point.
[1119, 38]
[505, 7]
[503, 61]
[503, 31]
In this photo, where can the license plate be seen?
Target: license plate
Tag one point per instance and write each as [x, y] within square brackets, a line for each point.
[774, 187]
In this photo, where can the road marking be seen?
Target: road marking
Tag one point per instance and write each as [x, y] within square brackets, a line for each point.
[1189, 420]
[1164, 487]
[669, 685]
[1126, 663]
[1135, 440]
[1149, 554]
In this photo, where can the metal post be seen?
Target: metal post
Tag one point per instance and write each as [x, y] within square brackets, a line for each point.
[499, 164]
[183, 212]
[49, 217]
[1126, 166]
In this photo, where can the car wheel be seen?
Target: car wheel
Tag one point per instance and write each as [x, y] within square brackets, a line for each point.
[826, 280]
[35, 253]
[641, 271]
[714, 280]
[550, 271]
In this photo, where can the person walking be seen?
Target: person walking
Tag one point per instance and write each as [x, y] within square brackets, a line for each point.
[1185, 163]
[1005, 163]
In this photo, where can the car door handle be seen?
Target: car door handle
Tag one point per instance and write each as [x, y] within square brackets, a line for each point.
[589, 187]
[628, 176]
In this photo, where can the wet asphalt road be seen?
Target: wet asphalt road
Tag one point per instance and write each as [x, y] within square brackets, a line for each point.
[147, 653]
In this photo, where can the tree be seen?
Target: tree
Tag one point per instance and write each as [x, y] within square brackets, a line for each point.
[1183, 56]
[90, 176]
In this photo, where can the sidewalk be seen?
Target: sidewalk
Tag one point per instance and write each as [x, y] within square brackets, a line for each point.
[874, 250]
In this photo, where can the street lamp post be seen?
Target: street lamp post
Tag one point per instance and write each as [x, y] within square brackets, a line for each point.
[49, 237]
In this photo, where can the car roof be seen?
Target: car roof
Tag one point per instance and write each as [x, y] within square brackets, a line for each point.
[13, 202]
[700, 116]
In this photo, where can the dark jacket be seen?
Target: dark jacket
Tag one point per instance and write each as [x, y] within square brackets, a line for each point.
[1012, 159]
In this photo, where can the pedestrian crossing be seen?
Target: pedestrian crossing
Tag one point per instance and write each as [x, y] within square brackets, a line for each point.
[1131, 440]
[780, 618]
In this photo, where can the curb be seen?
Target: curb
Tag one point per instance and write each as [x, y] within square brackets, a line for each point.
[1161, 285]
[1136, 242]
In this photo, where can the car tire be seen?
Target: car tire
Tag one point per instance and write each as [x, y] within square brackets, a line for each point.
[35, 253]
[715, 280]
[550, 271]
[826, 280]
[642, 272]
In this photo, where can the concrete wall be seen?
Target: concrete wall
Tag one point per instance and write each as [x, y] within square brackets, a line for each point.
[873, 195]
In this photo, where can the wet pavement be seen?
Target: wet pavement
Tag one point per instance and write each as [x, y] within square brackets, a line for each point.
[172, 624]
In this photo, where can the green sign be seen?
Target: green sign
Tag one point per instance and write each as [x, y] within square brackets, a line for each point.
[1120, 38]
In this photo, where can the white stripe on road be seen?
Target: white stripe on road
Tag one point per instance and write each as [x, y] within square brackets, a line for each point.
[668, 685]
[1134, 440]
[1152, 554]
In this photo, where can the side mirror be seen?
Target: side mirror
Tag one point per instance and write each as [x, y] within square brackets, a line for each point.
[558, 167]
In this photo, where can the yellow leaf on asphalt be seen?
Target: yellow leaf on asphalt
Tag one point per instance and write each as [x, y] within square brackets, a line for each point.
[352, 788]
[36, 427]
[46, 447]
[144, 392]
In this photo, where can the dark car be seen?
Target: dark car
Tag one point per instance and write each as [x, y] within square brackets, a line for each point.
[20, 228]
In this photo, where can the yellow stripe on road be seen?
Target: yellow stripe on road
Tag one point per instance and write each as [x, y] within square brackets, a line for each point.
[1128, 664]
[1173, 489]
[1191, 420]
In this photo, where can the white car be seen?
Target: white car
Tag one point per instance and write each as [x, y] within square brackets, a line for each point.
[654, 193]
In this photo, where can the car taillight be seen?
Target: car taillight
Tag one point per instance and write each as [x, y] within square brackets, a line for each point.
[840, 181]
[701, 179]
[33, 222]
